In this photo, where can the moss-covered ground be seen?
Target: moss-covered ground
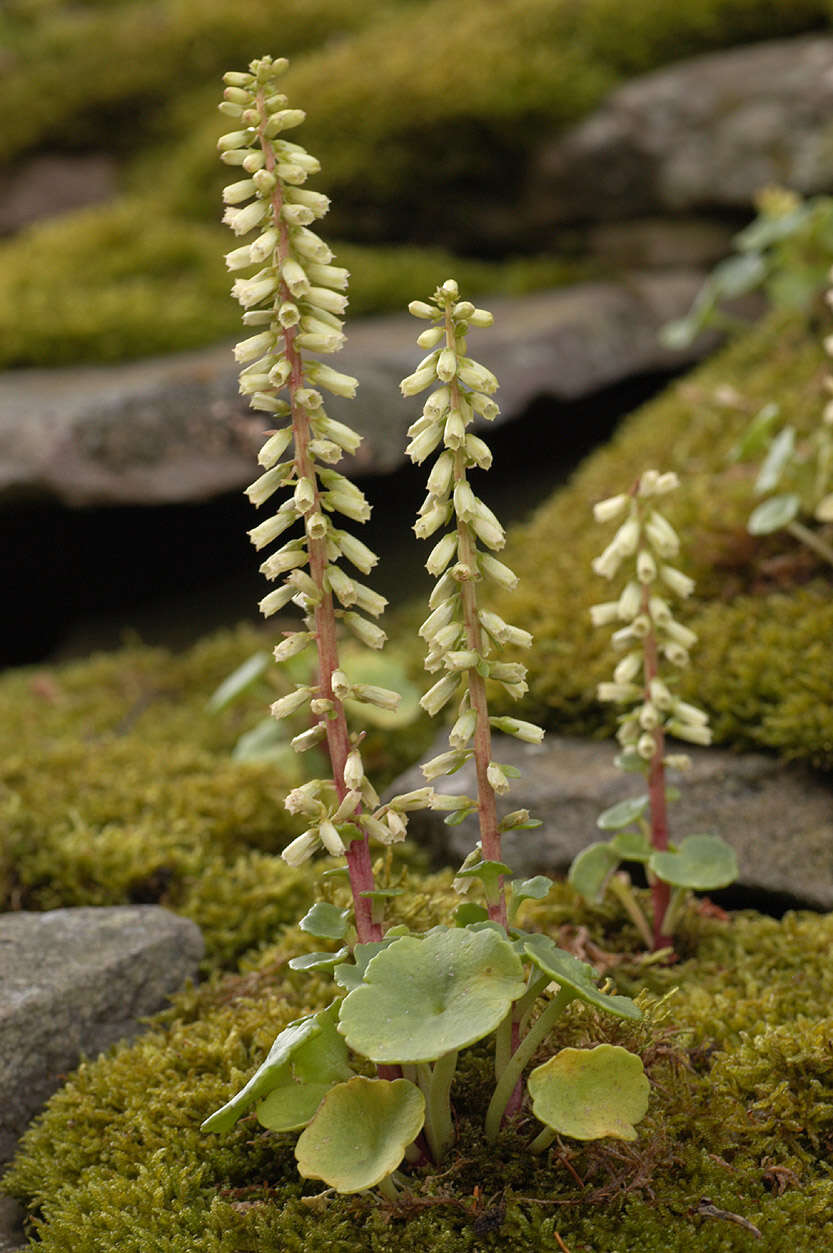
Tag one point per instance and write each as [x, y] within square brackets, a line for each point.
[762, 608]
[459, 97]
[117, 786]
[737, 1137]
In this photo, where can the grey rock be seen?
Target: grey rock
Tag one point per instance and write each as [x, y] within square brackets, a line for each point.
[12, 1238]
[659, 243]
[171, 430]
[777, 816]
[703, 134]
[73, 982]
[48, 185]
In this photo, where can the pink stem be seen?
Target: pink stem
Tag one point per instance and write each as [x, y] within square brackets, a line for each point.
[338, 738]
[660, 892]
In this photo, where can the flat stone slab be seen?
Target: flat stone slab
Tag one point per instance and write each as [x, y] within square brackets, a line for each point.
[701, 135]
[72, 983]
[174, 429]
[777, 816]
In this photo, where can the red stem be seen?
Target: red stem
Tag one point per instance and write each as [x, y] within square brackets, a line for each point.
[660, 892]
[338, 738]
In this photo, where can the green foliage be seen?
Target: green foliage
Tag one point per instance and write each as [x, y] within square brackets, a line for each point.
[360, 1133]
[786, 251]
[118, 1161]
[591, 1093]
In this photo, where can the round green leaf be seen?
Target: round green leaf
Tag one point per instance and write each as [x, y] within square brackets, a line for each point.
[623, 813]
[326, 921]
[311, 1045]
[591, 1093]
[350, 975]
[469, 912]
[423, 998]
[631, 845]
[702, 862]
[319, 961]
[535, 889]
[571, 973]
[291, 1106]
[773, 514]
[360, 1132]
[591, 869]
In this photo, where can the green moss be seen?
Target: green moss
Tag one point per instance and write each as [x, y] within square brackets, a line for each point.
[143, 275]
[760, 666]
[100, 66]
[117, 786]
[740, 1114]
[126, 281]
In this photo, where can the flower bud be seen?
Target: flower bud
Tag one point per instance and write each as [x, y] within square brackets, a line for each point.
[497, 779]
[347, 807]
[463, 729]
[610, 508]
[236, 193]
[649, 717]
[440, 694]
[688, 731]
[276, 600]
[441, 554]
[330, 838]
[604, 614]
[676, 580]
[690, 713]
[629, 602]
[680, 634]
[446, 365]
[431, 337]
[626, 538]
[291, 703]
[526, 731]
[368, 632]
[301, 849]
[309, 738]
[293, 643]
[628, 668]
[497, 571]
[646, 567]
[419, 798]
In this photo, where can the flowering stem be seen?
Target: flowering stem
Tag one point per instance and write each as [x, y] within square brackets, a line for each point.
[660, 892]
[490, 842]
[338, 739]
